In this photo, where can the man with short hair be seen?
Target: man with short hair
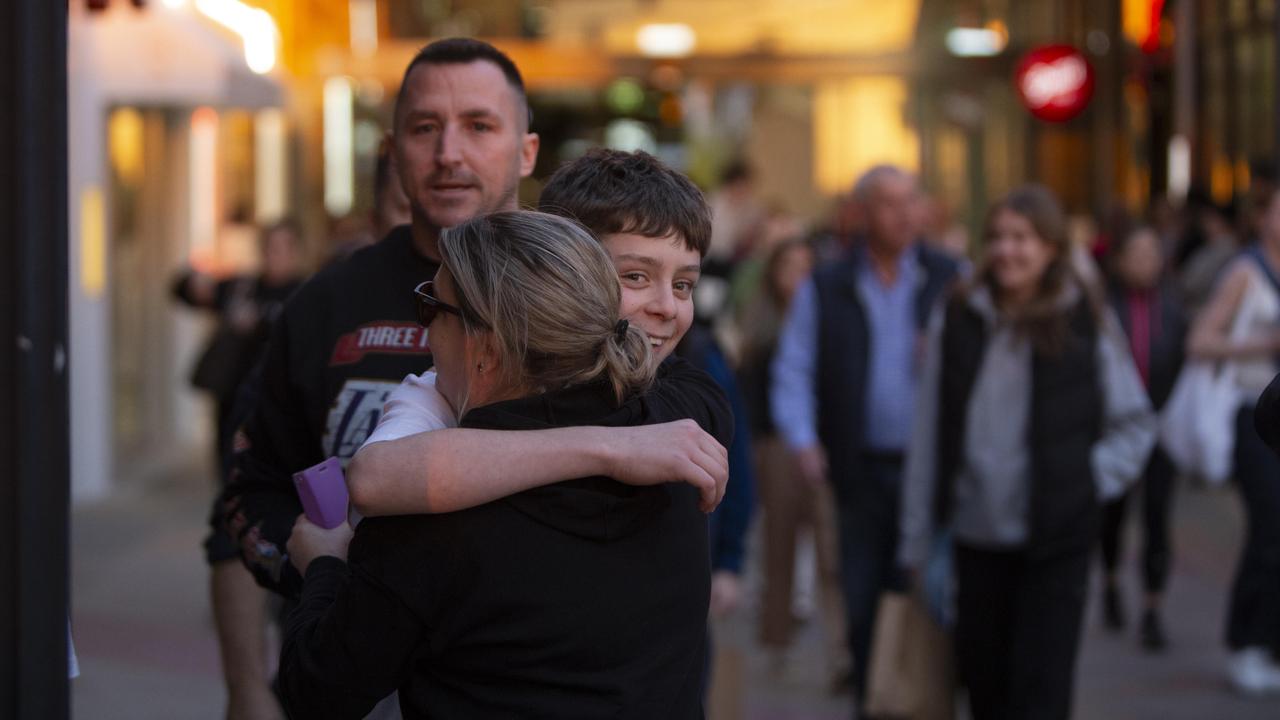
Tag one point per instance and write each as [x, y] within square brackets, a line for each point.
[345, 341]
[843, 385]
[462, 143]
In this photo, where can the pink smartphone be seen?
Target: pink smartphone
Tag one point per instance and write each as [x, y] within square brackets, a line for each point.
[323, 490]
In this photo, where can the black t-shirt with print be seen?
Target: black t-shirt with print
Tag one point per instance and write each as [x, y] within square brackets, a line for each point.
[343, 342]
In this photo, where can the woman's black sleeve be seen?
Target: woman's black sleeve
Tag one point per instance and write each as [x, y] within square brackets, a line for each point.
[349, 643]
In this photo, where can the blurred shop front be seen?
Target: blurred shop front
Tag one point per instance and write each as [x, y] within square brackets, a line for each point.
[191, 118]
[809, 92]
[1235, 89]
[170, 131]
[1184, 99]
[986, 69]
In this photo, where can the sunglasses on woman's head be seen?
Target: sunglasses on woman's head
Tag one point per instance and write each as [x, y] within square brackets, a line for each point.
[429, 306]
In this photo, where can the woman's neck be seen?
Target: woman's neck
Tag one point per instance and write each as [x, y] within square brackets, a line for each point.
[481, 396]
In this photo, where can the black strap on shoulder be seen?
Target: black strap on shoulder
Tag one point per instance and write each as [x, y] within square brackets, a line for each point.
[1255, 252]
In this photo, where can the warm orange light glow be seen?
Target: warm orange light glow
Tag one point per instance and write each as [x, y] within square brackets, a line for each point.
[256, 28]
[998, 27]
[202, 181]
[795, 27]
[1141, 22]
[666, 40]
[93, 242]
[124, 144]
[270, 165]
[363, 16]
[1221, 180]
[858, 123]
[1243, 176]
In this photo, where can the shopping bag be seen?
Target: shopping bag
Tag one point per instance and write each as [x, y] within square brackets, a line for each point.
[911, 671]
[1198, 423]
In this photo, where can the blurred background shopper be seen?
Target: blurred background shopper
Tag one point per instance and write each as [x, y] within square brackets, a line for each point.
[1153, 321]
[1241, 325]
[1030, 413]
[843, 385]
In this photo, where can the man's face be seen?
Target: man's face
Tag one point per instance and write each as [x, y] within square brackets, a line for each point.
[461, 144]
[657, 277]
[890, 211]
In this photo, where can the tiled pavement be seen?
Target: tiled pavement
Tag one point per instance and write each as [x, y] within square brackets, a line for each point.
[145, 637]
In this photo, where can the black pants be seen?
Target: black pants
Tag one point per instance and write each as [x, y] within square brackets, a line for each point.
[868, 524]
[1253, 619]
[1018, 631]
[1157, 500]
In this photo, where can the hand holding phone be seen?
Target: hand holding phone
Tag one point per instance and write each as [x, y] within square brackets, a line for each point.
[323, 491]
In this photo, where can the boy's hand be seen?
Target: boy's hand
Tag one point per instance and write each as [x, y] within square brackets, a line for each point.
[309, 541]
[677, 451]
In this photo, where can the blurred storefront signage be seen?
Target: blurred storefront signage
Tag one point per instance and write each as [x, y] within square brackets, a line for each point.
[1141, 22]
[1055, 82]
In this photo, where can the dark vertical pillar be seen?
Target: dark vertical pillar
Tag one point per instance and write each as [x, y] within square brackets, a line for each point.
[1108, 104]
[34, 447]
[1275, 79]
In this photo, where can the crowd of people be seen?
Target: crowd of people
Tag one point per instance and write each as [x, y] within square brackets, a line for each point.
[556, 436]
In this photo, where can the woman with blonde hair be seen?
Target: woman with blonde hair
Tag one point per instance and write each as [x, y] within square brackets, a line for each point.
[585, 598]
[1030, 414]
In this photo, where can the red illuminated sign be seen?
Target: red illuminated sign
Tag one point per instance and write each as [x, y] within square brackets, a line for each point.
[1055, 82]
[1151, 42]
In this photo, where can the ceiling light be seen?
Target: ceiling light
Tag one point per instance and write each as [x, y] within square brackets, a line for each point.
[667, 40]
[975, 42]
[254, 26]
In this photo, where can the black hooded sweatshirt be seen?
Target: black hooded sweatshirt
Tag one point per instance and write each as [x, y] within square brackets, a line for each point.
[583, 599]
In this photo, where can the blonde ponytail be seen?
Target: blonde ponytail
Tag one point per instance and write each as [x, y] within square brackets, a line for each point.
[549, 294]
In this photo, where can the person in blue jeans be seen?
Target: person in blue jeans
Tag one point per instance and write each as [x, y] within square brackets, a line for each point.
[843, 385]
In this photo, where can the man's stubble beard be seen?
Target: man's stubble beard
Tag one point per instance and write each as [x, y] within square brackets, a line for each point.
[506, 201]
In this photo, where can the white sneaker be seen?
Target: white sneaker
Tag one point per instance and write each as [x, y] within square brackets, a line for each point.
[1253, 672]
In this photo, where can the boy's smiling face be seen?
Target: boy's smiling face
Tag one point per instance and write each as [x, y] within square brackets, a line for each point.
[657, 277]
